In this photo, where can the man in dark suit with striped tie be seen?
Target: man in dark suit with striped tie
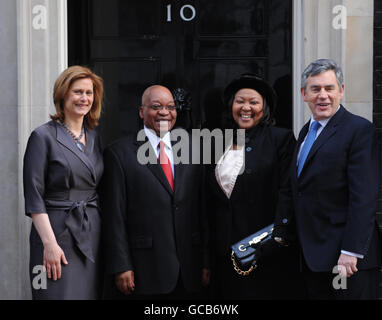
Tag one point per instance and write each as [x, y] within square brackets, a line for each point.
[335, 183]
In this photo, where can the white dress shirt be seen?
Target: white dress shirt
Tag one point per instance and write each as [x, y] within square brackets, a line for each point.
[154, 140]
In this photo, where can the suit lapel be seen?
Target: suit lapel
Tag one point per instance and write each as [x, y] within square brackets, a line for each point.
[67, 141]
[155, 168]
[329, 130]
[300, 140]
[326, 133]
[178, 176]
[89, 149]
[302, 135]
[90, 140]
[179, 169]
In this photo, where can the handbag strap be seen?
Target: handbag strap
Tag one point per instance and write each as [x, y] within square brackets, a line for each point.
[237, 268]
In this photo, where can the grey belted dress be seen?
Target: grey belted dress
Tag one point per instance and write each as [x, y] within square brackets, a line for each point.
[61, 180]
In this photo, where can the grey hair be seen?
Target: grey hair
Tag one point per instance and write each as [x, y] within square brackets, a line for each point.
[320, 66]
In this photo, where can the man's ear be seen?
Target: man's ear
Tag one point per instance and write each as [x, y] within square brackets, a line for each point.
[342, 90]
[302, 93]
[141, 112]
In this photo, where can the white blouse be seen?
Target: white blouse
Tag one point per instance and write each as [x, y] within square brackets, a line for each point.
[228, 168]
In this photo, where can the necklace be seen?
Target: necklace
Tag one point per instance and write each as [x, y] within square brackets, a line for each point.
[79, 144]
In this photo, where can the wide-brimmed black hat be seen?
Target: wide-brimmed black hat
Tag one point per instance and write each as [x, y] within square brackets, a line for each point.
[251, 81]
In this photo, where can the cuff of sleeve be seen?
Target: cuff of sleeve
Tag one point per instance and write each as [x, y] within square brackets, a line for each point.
[360, 256]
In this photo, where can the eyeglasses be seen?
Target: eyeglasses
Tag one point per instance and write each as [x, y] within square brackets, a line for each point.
[159, 107]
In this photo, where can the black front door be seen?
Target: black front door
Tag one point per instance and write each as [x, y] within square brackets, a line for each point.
[197, 45]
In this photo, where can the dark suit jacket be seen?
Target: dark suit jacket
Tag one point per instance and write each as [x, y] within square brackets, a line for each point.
[335, 197]
[148, 228]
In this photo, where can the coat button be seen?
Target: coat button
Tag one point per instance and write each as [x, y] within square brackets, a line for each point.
[285, 221]
[248, 149]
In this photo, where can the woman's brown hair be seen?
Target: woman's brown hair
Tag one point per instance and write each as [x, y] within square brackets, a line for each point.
[62, 86]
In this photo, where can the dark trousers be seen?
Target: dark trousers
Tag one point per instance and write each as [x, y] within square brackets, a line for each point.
[362, 285]
[179, 293]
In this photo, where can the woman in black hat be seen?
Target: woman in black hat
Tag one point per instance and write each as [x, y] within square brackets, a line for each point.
[248, 190]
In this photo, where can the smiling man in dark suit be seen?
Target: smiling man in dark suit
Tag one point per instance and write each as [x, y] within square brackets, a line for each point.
[153, 214]
[335, 184]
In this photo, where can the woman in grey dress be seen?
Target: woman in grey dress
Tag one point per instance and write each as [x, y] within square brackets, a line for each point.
[62, 168]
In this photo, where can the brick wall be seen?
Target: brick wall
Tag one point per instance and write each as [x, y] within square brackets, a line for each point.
[377, 107]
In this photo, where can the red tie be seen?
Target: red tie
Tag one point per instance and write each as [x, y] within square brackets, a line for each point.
[166, 165]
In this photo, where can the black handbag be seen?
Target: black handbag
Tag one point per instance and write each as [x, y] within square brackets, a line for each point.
[246, 252]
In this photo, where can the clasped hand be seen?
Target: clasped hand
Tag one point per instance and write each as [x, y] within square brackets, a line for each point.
[347, 265]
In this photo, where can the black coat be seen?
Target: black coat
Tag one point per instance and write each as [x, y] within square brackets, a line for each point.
[149, 229]
[335, 196]
[261, 196]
